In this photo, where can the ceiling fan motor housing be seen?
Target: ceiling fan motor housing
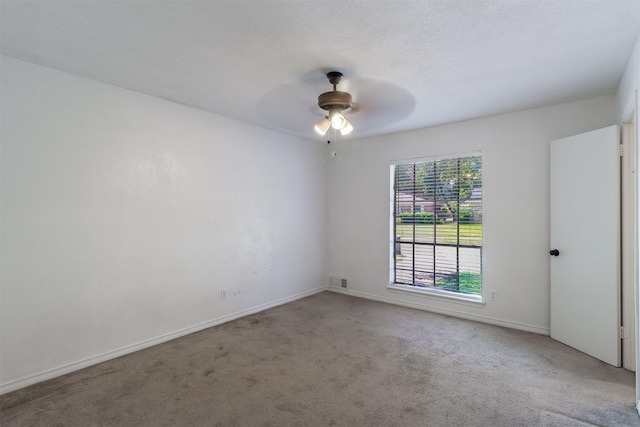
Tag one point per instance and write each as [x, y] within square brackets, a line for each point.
[334, 99]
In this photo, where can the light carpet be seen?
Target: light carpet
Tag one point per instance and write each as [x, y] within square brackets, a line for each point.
[336, 360]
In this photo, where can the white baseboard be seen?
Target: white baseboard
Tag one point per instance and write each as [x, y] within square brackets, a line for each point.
[94, 360]
[449, 312]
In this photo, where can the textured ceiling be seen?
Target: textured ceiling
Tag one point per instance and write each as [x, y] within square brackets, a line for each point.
[408, 64]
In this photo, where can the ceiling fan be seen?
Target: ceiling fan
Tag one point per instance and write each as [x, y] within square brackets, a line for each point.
[334, 102]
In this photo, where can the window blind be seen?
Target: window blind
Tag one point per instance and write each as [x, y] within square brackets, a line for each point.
[438, 224]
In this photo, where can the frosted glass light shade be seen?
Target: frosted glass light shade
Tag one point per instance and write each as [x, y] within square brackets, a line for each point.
[337, 120]
[347, 128]
[323, 126]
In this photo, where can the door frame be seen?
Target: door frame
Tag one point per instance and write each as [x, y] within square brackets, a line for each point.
[631, 136]
[628, 238]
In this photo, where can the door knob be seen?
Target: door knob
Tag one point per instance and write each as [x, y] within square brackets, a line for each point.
[554, 252]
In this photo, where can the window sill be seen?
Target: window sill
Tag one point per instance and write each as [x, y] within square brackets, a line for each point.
[473, 300]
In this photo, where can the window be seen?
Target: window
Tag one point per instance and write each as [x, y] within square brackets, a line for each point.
[437, 224]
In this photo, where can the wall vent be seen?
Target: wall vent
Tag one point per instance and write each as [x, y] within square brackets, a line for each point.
[337, 282]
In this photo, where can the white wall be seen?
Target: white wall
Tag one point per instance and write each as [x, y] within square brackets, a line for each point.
[515, 150]
[629, 83]
[123, 216]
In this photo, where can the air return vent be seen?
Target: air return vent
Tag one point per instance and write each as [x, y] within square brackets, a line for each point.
[338, 282]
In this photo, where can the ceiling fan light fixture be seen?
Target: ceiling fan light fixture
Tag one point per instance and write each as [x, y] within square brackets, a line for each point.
[323, 125]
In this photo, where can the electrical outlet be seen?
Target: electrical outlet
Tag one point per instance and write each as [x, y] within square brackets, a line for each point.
[494, 296]
[223, 294]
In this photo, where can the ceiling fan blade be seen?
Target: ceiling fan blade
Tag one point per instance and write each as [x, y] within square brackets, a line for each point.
[376, 104]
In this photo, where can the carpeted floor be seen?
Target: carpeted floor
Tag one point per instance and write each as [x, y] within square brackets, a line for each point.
[334, 360]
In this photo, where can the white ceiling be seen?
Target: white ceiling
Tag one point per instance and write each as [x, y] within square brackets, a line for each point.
[408, 64]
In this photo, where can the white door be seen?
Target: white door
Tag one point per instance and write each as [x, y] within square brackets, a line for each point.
[585, 224]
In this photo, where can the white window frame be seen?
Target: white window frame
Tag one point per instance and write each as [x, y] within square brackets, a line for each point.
[429, 292]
